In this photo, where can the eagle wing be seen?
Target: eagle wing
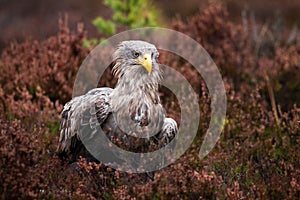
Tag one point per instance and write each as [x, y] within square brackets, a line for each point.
[93, 109]
[96, 102]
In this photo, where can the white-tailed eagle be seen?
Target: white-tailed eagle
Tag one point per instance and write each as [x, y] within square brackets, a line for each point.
[131, 109]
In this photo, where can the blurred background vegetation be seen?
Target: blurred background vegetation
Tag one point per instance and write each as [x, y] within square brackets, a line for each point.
[20, 19]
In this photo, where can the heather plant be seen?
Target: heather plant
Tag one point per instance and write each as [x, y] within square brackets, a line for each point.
[37, 77]
[257, 154]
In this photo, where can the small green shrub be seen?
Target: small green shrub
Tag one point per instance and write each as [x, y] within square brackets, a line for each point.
[126, 14]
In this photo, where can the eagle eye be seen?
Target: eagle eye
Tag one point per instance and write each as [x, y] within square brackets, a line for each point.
[135, 54]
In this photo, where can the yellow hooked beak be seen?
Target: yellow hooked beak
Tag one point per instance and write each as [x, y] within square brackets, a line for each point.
[146, 62]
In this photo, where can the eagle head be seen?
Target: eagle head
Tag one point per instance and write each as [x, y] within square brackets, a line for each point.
[135, 59]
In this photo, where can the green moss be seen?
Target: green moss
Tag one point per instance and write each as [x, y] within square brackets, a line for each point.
[32, 90]
[53, 127]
